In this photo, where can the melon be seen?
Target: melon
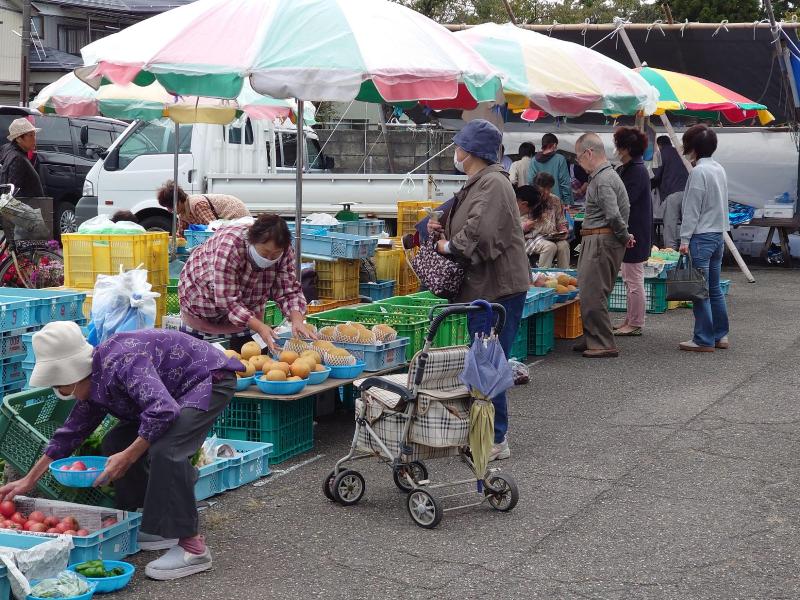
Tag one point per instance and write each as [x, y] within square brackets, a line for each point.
[250, 349]
[275, 375]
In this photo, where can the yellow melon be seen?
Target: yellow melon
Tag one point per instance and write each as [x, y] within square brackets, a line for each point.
[259, 361]
[275, 375]
[295, 378]
[233, 354]
[249, 370]
[312, 355]
[282, 366]
[288, 357]
[250, 349]
[300, 369]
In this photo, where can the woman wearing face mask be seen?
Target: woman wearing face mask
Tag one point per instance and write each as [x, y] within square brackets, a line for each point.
[483, 232]
[167, 389]
[228, 280]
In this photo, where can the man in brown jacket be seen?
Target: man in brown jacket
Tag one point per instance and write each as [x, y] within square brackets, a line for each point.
[604, 239]
[483, 232]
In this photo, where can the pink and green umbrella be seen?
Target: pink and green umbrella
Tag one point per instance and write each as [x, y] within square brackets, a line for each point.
[558, 77]
[686, 94]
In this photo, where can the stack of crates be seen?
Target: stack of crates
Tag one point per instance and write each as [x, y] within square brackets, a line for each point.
[338, 280]
[88, 255]
[411, 212]
[392, 265]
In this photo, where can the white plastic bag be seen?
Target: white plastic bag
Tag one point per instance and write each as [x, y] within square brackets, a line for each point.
[40, 562]
[122, 302]
[103, 224]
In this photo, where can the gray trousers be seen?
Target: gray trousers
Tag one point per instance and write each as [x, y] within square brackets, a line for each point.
[598, 266]
[163, 480]
[673, 209]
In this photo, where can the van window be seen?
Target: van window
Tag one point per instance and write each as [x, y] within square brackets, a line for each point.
[288, 158]
[235, 132]
[99, 139]
[54, 135]
[155, 137]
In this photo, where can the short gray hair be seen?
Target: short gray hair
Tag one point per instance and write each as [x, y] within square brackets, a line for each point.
[591, 141]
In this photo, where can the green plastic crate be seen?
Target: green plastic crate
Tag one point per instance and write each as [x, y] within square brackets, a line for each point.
[288, 426]
[541, 333]
[452, 332]
[27, 422]
[519, 349]
[272, 314]
[655, 291]
[406, 325]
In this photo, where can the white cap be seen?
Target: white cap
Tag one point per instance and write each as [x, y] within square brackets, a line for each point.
[20, 127]
[63, 356]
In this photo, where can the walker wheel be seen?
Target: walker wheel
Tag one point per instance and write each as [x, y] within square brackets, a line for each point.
[424, 508]
[416, 469]
[348, 487]
[327, 486]
[501, 491]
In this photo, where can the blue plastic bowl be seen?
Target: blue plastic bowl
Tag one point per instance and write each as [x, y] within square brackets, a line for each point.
[281, 388]
[242, 383]
[110, 584]
[86, 596]
[318, 377]
[347, 372]
[78, 479]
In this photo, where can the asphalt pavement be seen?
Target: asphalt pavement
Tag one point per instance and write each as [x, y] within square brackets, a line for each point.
[660, 474]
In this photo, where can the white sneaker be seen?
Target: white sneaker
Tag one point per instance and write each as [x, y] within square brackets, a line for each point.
[149, 542]
[500, 451]
[178, 563]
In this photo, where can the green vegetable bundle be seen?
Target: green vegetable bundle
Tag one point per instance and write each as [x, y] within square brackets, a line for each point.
[94, 569]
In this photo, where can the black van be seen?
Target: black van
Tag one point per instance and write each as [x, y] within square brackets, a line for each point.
[66, 148]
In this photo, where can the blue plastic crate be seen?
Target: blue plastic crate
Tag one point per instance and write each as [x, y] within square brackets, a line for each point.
[365, 227]
[250, 463]
[519, 349]
[5, 587]
[376, 357]
[51, 305]
[13, 344]
[570, 272]
[11, 371]
[377, 291]
[211, 480]
[338, 228]
[196, 238]
[16, 313]
[337, 245]
[538, 300]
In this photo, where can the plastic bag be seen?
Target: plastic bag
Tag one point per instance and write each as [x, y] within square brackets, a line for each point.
[520, 372]
[102, 224]
[320, 219]
[39, 562]
[28, 221]
[121, 302]
[67, 584]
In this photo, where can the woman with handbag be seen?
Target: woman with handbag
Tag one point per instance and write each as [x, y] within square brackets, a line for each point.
[705, 219]
[483, 234]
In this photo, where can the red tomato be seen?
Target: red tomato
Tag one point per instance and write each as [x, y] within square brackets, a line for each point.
[27, 526]
[37, 516]
[79, 466]
[53, 530]
[70, 522]
[83, 532]
[71, 532]
[7, 508]
[61, 527]
[37, 527]
[18, 519]
[52, 521]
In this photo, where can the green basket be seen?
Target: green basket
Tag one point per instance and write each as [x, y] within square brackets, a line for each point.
[541, 333]
[655, 291]
[452, 332]
[418, 299]
[406, 325]
[519, 349]
[288, 426]
[27, 422]
[272, 314]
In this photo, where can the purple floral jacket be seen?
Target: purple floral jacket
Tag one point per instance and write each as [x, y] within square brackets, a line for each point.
[146, 376]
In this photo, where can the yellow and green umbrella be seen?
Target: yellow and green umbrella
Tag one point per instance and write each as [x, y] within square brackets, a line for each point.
[689, 95]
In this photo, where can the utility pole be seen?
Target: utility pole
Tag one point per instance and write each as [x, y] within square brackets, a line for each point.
[24, 67]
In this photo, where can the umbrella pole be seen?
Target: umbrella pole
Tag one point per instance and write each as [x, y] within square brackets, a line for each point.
[673, 136]
[174, 238]
[298, 203]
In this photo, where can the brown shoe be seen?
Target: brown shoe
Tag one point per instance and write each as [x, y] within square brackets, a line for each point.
[602, 353]
[692, 347]
[579, 347]
[722, 344]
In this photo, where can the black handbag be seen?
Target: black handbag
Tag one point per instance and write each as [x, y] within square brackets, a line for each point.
[440, 274]
[685, 282]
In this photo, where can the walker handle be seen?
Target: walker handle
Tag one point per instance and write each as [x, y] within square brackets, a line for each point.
[445, 310]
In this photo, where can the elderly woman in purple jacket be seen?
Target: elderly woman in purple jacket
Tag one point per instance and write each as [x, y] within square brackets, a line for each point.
[166, 388]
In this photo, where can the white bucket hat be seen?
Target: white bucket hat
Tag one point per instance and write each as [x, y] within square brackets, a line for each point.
[63, 356]
[20, 127]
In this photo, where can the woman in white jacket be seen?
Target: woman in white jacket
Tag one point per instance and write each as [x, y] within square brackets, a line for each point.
[518, 174]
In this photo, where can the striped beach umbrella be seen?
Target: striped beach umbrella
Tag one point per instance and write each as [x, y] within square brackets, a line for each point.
[558, 77]
[689, 95]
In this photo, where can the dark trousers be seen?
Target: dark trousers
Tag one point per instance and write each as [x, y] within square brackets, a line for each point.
[478, 322]
[162, 481]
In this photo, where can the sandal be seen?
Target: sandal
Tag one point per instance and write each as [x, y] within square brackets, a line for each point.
[636, 331]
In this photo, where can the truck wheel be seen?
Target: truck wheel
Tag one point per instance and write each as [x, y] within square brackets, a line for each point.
[157, 223]
[65, 220]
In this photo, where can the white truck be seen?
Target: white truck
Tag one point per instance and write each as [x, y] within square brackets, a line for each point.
[252, 160]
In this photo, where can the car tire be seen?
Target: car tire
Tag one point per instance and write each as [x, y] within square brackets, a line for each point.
[157, 223]
[64, 220]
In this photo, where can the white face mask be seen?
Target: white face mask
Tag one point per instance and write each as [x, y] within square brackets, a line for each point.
[458, 164]
[260, 261]
[70, 396]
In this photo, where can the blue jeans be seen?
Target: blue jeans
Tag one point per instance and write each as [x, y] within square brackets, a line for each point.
[477, 322]
[710, 315]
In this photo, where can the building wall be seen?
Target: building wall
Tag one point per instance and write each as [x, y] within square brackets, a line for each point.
[10, 45]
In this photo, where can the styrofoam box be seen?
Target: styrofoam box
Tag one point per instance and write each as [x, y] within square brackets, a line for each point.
[778, 211]
[171, 322]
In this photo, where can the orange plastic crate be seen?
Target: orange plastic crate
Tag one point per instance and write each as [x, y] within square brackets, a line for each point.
[568, 323]
[88, 255]
[328, 304]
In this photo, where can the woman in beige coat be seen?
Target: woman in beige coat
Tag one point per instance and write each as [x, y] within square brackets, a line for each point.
[483, 232]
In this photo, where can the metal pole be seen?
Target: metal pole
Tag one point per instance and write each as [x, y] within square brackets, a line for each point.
[298, 202]
[678, 146]
[608, 27]
[174, 238]
[25, 49]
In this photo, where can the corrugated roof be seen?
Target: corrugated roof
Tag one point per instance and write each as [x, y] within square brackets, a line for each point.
[124, 6]
[53, 60]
